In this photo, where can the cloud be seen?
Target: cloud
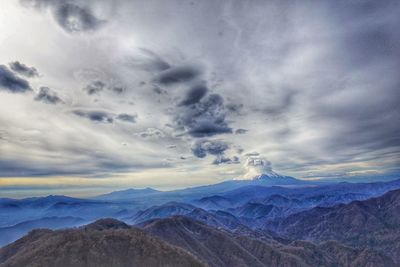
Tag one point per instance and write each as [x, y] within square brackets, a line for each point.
[117, 89]
[178, 74]
[23, 69]
[94, 87]
[149, 61]
[252, 154]
[217, 148]
[12, 83]
[205, 118]
[153, 133]
[158, 90]
[234, 107]
[127, 117]
[316, 97]
[47, 96]
[284, 101]
[241, 131]
[95, 115]
[88, 163]
[194, 95]
[226, 160]
[97, 86]
[73, 18]
[204, 147]
[257, 165]
[104, 117]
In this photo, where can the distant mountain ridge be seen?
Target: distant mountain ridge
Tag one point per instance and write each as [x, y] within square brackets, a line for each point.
[267, 179]
[374, 223]
[12, 233]
[128, 193]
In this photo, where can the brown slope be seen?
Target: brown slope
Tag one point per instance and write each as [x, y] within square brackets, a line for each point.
[216, 247]
[332, 253]
[372, 223]
[107, 243]
[221, 248]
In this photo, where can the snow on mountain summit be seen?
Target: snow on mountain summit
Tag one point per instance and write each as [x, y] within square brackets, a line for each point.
[259, 168]
[267, 175]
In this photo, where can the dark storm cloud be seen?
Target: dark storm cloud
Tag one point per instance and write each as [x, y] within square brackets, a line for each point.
[241, 131]
[204, 147]
[12, 83]
[178, 74]
[48, 96]
[127, 117]
[24, 69]
[194, 95]
[104, 117]
[225, 160]
[95, 115]
[205, 118]
[72, 17]
[95, 87]
[216, 148]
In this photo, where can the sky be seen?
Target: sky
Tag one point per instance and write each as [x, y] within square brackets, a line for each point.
[104, 95]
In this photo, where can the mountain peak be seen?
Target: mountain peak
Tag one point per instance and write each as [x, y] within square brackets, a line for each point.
[268, 175]
[107, 224]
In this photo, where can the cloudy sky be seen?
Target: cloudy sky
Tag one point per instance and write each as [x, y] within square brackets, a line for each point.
[100, 95]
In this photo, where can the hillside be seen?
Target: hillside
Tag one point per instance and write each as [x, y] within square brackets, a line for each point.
[222, 248]
[373, 223]
[104, 243]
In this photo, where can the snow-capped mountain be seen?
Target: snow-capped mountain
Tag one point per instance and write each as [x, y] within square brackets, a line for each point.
[268, 175]
[273, 178]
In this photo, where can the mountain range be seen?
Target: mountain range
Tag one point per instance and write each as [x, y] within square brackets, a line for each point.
[234, 223]
[175, 241]
[373, 223]
[103, 243]
[218, 247]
